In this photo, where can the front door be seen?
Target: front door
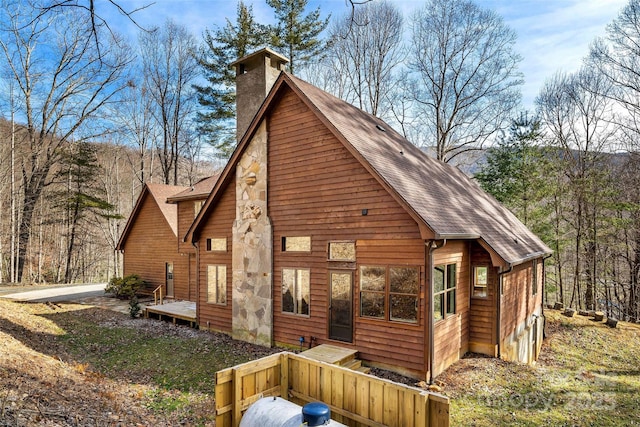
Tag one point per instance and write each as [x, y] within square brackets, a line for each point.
[169, 275]
[340, 306]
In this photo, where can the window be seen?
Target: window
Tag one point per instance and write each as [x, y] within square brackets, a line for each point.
[534, 277]
[444, 290]
[389, 293]
[296, 244]
[480, 281]
[218, 245]
[295, 290]
[342, 251]
[197, 206]
[217, 284]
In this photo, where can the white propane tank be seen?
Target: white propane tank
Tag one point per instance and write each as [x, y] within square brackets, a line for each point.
[276, 412]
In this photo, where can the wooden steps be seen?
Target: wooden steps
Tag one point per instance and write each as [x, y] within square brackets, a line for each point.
[340, 356]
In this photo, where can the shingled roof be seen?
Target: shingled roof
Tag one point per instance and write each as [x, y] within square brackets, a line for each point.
[199, 190]
[441, 196]
[159, 193]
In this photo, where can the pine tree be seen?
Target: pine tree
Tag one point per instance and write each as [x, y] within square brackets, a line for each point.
[80, 200]
[221, 48]
[295, 34]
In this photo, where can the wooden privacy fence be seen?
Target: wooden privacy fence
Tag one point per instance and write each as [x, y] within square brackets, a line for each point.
[355, 399]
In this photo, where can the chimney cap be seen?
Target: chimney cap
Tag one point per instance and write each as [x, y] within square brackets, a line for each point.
[265, 51]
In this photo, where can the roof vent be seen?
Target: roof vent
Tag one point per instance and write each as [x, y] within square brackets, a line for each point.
[381, 128]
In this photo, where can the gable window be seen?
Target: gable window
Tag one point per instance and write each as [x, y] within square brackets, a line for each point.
[480, 281]
[296, 283]
[342, 251]
[217, 245]
[197, 206]
[389, 293]
[534, 277]
[296, 244]
[217, 284]
[444, 290]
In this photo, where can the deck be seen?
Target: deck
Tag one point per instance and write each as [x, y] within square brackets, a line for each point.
[179, 310]
[330, 354]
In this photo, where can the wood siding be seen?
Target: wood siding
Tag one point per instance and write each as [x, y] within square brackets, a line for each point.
[451, 334]
[217, 317]
[518, 301]
[318, 189]
[186, 215]
[483, 310]
[150, 245]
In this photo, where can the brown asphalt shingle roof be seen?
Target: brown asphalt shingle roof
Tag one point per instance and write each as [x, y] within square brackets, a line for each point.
[200, 190]
[448, 201]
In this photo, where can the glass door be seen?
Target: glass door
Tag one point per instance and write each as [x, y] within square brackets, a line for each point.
[340, 306]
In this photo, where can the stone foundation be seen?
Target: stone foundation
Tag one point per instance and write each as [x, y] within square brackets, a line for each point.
[252, 247]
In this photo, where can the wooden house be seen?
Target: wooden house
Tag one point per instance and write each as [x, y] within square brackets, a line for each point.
[327, 226]
[149, 242]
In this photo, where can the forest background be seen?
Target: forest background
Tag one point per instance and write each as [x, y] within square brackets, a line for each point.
[89, 117]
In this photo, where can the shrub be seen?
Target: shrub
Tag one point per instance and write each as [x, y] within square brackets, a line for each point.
[134, 307]
[124, 287]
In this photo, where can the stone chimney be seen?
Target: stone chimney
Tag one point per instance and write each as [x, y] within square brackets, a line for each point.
[255, 75]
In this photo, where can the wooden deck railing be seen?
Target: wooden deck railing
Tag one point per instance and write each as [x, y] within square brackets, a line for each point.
[355, 399]
[157, 295]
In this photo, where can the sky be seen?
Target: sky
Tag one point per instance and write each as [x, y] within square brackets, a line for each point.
[553, 35]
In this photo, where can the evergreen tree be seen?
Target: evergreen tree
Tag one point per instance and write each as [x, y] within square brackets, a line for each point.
[512, 172]
[81, 200]
[297, 35]
[218, 97]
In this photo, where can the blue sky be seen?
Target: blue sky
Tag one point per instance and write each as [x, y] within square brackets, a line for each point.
[552, 34]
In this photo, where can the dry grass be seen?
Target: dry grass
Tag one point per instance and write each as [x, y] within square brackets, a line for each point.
[587, 375]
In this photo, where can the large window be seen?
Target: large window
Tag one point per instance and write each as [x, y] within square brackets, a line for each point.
[480, 281]
[296, 284]
[217, 284]
[444, 290]
[389, 293]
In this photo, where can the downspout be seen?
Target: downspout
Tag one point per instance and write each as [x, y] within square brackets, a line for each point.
[501, 273]
[433, 245]
[195, 245]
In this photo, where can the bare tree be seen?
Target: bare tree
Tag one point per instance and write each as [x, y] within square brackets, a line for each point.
[170, 68]
[578, 116]
[62, 82]
[371, 50]
[468, 83]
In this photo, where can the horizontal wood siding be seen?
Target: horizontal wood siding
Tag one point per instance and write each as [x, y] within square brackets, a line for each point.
[518, 302]
[451, 335]
[149, 245]
[185, 219]
[483, 311]
[318, 189]
[220, 224]
[379, 340]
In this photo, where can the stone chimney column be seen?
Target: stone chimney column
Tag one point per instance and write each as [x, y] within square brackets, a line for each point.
[255, 75]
